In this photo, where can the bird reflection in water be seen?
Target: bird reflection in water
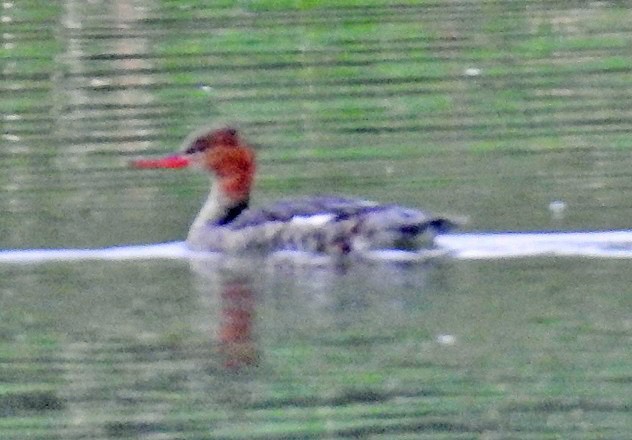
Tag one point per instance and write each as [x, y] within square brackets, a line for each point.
[229, 298]
[237, 343]
[327, 297]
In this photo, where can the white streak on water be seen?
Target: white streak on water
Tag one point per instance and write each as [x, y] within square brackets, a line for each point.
[599, 244]
[607, 244]
[174, 250]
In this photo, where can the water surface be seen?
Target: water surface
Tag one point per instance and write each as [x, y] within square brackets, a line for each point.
[108, 350]
[513, 114]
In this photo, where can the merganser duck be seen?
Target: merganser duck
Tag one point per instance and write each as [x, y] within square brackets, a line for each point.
[321, 224]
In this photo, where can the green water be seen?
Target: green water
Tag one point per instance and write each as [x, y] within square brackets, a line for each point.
[485, 110]
[525, 349]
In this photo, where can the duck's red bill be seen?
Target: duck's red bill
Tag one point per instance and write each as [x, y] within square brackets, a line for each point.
[163, 162]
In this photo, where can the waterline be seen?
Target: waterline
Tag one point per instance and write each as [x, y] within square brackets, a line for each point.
[598, 244]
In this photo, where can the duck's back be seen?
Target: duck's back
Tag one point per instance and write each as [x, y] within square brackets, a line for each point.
[338, 208]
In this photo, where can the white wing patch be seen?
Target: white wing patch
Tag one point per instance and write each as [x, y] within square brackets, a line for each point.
[313, 221]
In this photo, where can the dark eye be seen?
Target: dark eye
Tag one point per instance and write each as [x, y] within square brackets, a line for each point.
[197, 146]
